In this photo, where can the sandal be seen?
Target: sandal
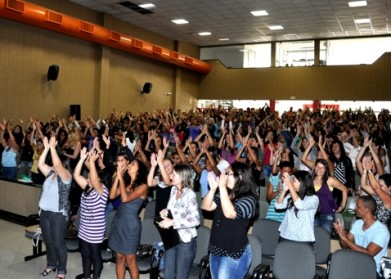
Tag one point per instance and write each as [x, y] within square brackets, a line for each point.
[60, 276]
[47, 271]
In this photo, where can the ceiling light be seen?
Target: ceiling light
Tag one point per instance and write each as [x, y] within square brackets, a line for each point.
[180, 21]
[362, 20]
[275, 27]
[354, 4]
[224, 39]
[259, 13]
[147, 6]
[204, 33]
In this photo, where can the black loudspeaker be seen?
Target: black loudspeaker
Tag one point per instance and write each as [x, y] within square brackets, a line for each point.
[147, 88]
[53, 72]
[75, 110]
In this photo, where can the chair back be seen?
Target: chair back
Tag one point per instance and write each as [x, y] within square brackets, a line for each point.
[256, 251]
[347, 264]
[263, 208]
[203, 236]
[322, 245]
[267, 231]
[149, 209]
[149, 233]
[294, 260]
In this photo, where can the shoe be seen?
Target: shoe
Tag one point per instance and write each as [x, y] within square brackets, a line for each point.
[47, 271]
[60, 276]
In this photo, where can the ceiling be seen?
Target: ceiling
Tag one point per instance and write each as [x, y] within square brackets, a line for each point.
[301, 19]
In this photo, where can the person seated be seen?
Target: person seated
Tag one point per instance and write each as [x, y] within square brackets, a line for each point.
[367, 235]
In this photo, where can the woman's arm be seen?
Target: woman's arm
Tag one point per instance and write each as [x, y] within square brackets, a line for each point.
[64, 174]
[165, 176]
[378, 162]
[367, 165]
[226, 203]
[43, 167]
[95, 181]
[81, 180]
[304, 159]
[208, 203]
[151, 174]
[331, 181]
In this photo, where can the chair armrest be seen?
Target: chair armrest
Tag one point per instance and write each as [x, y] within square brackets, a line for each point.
[261, 271]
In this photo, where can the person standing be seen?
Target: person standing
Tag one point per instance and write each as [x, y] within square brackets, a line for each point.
[92, 214]
[125, 230]
[54, 207]
[235, 207]
[185, 218]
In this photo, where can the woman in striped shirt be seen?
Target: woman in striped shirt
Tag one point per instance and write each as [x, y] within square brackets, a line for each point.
[92, 213]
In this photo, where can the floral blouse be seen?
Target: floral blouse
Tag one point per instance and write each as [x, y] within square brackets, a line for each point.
[382, 213]
[185, 213]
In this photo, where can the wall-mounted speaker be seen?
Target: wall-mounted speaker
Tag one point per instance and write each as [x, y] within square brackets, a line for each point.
[75, 110]
[53, 72]
[146, 88]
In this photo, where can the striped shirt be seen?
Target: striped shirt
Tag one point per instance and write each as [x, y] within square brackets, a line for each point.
[92, 216]
[8, 158]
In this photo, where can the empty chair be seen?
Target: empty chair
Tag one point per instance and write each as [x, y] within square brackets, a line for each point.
[203, 235]
[262, 193]
[294, 260]
[149, 235]
[267, 231]
[322, 250]
[149, 209]
[348, 264]
[263, 207]
[257, 269]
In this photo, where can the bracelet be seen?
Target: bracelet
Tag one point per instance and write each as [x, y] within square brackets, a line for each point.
[369, 171]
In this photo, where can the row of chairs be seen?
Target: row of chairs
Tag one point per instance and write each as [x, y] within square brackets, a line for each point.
[297, 260]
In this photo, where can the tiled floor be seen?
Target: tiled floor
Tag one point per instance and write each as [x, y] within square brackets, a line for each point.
[14, 246]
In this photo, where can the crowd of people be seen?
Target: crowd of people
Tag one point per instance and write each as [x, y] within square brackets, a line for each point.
[309, 161]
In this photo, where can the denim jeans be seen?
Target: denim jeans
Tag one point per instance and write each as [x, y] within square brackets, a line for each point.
[10, 173]
[325, 221]
[178, 260]
[90, 254]
[53, 226]
[227, 267]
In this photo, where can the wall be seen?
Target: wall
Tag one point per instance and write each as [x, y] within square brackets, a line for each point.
[364, 82]
[96, 77]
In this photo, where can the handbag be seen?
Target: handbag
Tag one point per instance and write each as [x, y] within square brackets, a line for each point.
[170, 236]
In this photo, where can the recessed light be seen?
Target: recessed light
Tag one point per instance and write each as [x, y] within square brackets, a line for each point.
[362, 20]
[354, 4]
[204, 33]
[275, 27]
[224, 39]
[180, 21]
[147, 6]
[259, 13]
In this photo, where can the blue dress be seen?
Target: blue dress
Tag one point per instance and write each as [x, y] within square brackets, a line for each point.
[125, 230]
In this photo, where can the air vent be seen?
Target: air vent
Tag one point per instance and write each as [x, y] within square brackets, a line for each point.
[53, 17]
[16, 6]
[87, 27]
[135, 8]
[114, 36]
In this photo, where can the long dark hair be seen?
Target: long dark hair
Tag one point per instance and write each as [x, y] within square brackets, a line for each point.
[327, 172]
[141, 175]
[306, 187]
[244, 184]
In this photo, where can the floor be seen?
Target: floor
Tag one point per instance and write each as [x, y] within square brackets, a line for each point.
[14, 246]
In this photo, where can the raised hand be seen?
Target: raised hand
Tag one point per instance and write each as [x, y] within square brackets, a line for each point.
[83, 154]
